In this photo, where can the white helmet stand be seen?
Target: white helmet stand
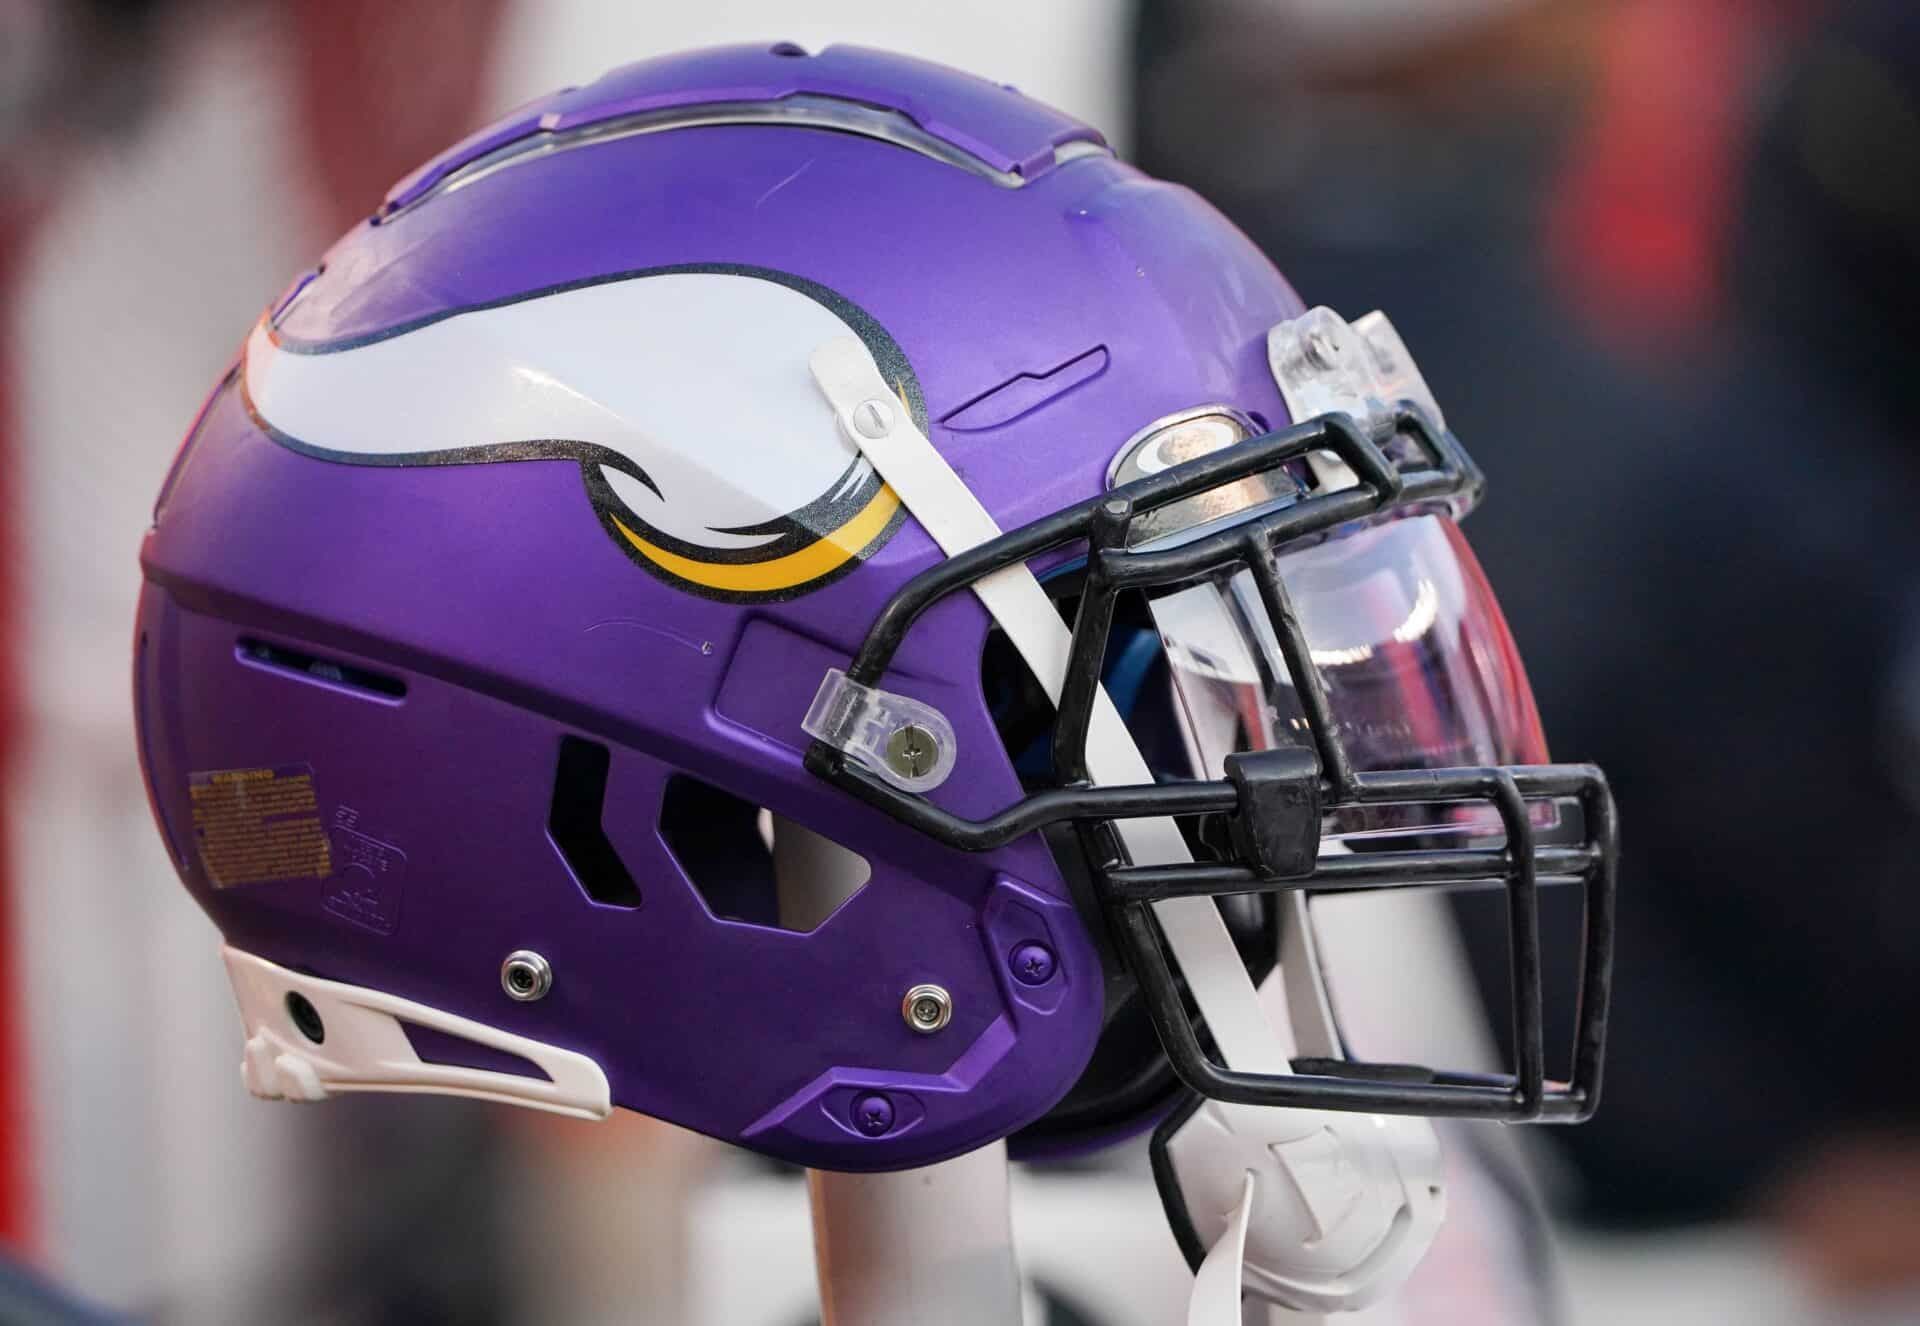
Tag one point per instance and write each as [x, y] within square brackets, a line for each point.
[921, 1247]
[934, 1247]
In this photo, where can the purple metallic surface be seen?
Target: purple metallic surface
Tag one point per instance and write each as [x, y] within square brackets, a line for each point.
[1025, 394]
[1031, 963]
[511, 127]
[493, 592]
[995, 124]
[813, 1121]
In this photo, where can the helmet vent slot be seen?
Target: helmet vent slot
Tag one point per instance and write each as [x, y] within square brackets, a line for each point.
[329, 672]
[579, 792]
[726, 848]
[443, 1047]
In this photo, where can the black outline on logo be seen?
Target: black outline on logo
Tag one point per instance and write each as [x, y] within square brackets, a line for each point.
[793, 531]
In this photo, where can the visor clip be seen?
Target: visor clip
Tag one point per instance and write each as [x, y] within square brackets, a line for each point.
[1276, 828]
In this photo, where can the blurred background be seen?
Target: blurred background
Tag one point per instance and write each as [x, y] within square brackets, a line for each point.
[1659, 259]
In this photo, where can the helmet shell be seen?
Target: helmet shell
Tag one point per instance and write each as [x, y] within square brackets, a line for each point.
[419, 641]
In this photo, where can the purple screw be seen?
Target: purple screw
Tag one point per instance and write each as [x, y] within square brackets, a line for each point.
[873, 1114]
[1032, 963]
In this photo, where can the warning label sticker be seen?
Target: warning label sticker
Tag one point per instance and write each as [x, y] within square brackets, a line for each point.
[256, 825]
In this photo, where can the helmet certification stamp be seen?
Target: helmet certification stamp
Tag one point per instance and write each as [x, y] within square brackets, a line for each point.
[366, 889]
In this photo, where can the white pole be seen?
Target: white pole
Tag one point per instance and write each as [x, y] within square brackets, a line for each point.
[923, 1247]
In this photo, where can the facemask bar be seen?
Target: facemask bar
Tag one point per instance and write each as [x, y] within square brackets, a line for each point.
[1273, 800]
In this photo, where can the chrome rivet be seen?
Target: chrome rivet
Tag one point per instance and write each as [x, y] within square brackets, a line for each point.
[873, 418]
[927, 1008]
[526, 976]
[912, 751]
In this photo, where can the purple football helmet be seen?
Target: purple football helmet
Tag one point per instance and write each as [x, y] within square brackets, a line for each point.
[801, 596]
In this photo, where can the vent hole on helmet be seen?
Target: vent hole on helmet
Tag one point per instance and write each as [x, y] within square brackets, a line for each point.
[328, 672]
[443, 1047]
[753, 867]
[579, 792]
[306, 1018]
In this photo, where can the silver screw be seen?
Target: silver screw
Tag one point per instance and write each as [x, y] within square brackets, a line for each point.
[912, 751]
[927, 1008]
[1323, 349]
[526, 976]
[873, 418]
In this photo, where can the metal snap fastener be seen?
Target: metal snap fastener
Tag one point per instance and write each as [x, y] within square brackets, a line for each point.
[526, 976]
[927, 1008]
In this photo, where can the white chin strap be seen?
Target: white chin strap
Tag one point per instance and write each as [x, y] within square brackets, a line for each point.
[1314, 1210]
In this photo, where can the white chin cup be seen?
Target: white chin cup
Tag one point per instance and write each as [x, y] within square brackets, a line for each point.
[1343, 1205]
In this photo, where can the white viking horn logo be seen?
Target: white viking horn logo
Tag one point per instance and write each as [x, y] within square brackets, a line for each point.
[683, 393]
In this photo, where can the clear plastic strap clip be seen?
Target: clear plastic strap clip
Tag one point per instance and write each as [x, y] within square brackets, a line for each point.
[1325, 365]
[905, 741]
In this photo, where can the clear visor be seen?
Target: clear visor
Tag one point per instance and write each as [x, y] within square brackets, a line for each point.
[1420, 670]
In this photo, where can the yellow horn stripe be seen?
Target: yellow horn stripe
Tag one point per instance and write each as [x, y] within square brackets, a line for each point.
[825, 554]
